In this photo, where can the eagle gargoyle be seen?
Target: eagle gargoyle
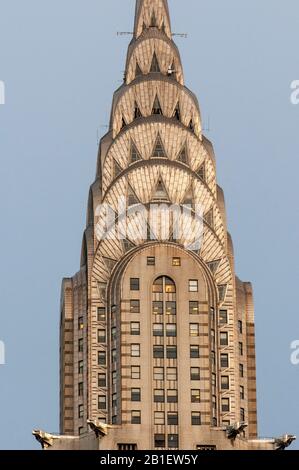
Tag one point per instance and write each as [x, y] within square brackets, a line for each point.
[45, 439]
[100, 429]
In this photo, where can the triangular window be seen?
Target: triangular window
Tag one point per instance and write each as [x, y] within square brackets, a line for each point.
[222, 292]
[117, 169]
[155, 67]
[110, 263]
[209, 218]
[132, 198]
[128, 245]
[188, 199]
[135, 155]
[144, 27]
[177, 112]
[153, 20]
[137, 112]
[157, 110]
[159, 151]
[123, 123]
[161, 192]
[202, 172]
[183, 156]
[214, 265]
[138, 71]
[191, 125]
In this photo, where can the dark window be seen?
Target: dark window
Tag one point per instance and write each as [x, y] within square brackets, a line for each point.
[81, 345]
[158, 329]
[81, 431]
[101, 314]
[224, 361]
[113, 333]
[80, 323]
[114, 419]
[195, 396]
[193, 285]
[171, 352]
[158, 352]
[194, 352]
[134, 284]
[135, 372]
[172, 396]
[213, 358]
[158, 308]
[114, 377]
[171, 330]
[135, 306]
[102, 381]
[135, 394]
[101, 336]
[102, 402]
[151, 261]
[212, 314]
[114, 400]
[214, 402]
[127, 447]
[135, 328]
[214, 422]
[170, 308]
[240, 327]
[241, 370]
[196, 418]
[193, 308]
[159, 441]
[80, 367]
[242, 414]
[80, 411]
[136, 417]
[172, 418]
[224, 382]
[176, 262]
[223, 317]
[195, 373]
[173, 441]
[81, 389]
[113, 355]
[135, 350]
[242, 392]
[225, 405]
[241, 349]
[223, 338]
[159, 396]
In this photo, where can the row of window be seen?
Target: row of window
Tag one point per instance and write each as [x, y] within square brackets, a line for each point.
[170, 309]
[169, 285]
[151, 261]
[159, 330]
[159, 353]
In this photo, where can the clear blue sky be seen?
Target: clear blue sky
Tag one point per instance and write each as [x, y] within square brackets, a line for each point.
[61, 62]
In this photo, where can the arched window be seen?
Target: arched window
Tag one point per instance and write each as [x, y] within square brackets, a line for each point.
[164, 284]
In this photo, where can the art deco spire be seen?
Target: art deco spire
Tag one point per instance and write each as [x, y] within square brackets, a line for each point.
[157, 332]
[152, 14]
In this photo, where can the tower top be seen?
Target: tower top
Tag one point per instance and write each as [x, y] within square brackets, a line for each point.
[152, 13]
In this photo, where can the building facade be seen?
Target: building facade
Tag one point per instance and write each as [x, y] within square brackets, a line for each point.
[157, 332]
